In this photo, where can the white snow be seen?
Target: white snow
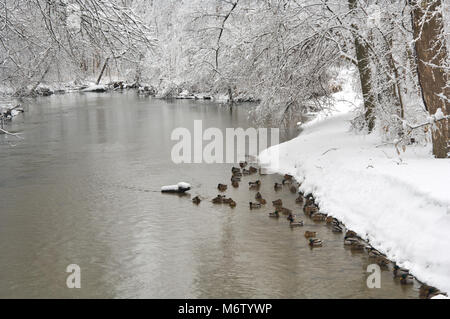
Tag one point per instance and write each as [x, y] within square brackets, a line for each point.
[400, 203]
[439, 115]
[169, 188]
[440, 297]
[95, 88]
[174, 188]
[183, 185]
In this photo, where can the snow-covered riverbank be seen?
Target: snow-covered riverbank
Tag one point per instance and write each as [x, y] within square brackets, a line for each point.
[400, 203]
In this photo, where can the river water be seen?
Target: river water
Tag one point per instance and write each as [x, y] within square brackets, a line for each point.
[82, 188]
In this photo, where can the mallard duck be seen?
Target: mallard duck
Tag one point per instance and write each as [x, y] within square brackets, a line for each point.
[357, 245]
[310, 234]
[254, 205]
[277, 186]
[235, 170]
[299, 199]
[310, 210]
[287, 179]
[296, 223]
[218, 199]
[284, 211]
[398, 271]
[350, 233]
[315, 242]
[277, 203]
[309, 202]
[226, 200]
[196, 200]
[275, 214]
[222, 187]
[258, 195]
[382, 261]
[318, 217]
[253, 170]
[262, 201]
[235, 184]
[243, 164]
[245, 172]
[336, 228]
[290, 217]
[254, 185]
[372, 252]
[426, 291]
[351, 241]
[407, 279]
[232, 203]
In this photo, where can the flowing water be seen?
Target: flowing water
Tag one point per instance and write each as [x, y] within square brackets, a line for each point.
[82, 188]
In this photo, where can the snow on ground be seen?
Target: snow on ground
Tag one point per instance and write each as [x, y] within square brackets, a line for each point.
[402, 206]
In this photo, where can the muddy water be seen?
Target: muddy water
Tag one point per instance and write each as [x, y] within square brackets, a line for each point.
[82, 188]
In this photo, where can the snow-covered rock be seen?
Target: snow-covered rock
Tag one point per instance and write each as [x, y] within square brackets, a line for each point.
[181, 187]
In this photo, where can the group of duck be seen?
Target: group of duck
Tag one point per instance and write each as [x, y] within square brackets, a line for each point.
[311, 209]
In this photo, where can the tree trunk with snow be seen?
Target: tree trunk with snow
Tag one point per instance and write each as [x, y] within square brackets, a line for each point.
[362, 56]
[431, 55]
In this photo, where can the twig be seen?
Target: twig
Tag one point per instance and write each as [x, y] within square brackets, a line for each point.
[9, 133]
[331, 149]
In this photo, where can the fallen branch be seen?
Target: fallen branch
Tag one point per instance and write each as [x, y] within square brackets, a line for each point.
[12, 134]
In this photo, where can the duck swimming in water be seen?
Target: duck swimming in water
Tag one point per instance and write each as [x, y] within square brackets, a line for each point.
[287, 179]
[318, 217]
[284, 210]
[218, 199]
[235, 179]
[407, 279]
[254, 185]
[398, 271]
[310, 234]
[254, 205]
[296, 223]
[222, 187]
[252, 170]
[426, 291]
[275, 214]
[299, 199]
[235, 184]
[335, 228]
[232, 203]
[372, 252]
[315, 242]
[196, 200]
[310, 210]
[277, 186]
[277, 203]
[235, 170]
[350, 233]
[351, 241]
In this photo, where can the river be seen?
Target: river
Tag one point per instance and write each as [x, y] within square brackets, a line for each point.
[82, 188]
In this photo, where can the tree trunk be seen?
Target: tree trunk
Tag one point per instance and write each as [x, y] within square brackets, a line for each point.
[431, 54]
[103, 70]
[362, 56]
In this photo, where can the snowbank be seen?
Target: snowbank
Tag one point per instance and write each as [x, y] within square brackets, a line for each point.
[401, 204]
